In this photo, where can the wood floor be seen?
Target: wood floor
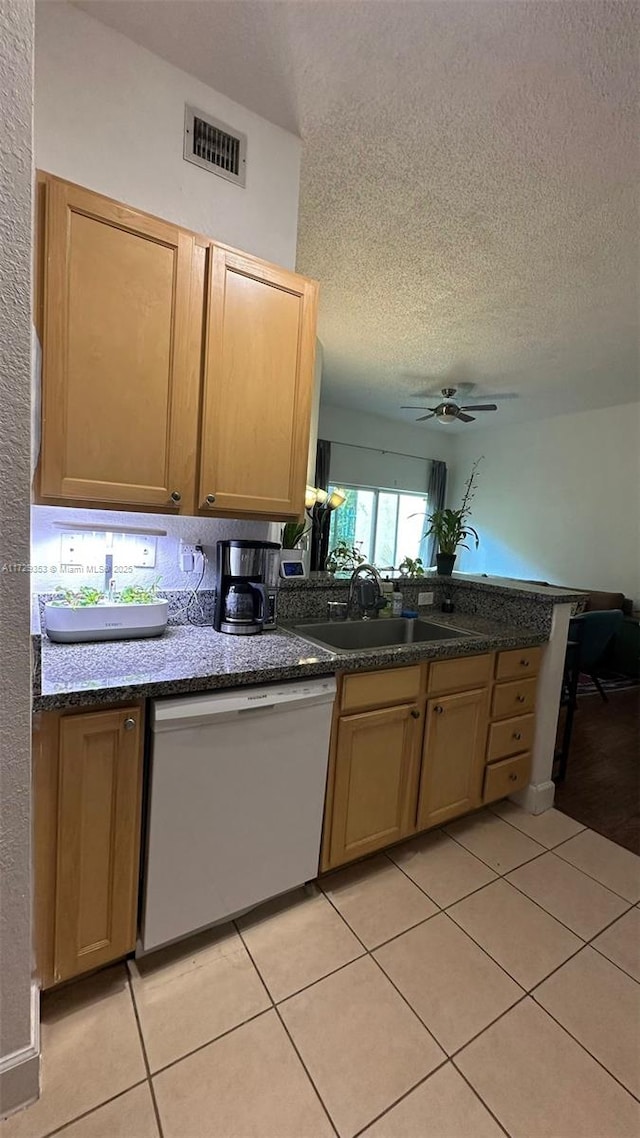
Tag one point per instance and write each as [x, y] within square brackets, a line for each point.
[602, 787]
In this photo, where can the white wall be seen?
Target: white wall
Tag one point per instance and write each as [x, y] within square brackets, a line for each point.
[404, 466]
[46, 547]
[557, 499]
[18, 1033]
[109, 115]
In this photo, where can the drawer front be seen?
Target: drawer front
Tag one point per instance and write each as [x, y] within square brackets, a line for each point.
[517, 698]
[510, 737]
[380, 689]
[504, 778]
[520, 662]
[459, 674]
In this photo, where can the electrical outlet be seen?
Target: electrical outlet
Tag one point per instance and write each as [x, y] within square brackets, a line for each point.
[425, 599]
[187, 555]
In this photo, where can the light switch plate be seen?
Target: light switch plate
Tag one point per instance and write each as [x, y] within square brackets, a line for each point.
[425, 599]
[143, 550]
[72, 549]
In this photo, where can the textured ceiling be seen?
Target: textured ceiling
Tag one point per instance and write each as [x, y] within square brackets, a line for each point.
[469, 172]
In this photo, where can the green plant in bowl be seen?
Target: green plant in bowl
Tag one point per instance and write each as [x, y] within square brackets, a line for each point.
[77, 598]
[344, 558]
[292, 533]
[411, 567]
[138, 594]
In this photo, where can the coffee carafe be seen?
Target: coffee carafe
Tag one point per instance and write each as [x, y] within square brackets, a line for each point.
[243, 605]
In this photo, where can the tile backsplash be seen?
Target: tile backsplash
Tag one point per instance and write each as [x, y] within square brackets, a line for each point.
[50, 568]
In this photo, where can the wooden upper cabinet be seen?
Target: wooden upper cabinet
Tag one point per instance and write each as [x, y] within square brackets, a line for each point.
[259, 365]
[453, 756]
[120, 381]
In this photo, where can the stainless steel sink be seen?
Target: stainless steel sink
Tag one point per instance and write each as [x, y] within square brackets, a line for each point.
[367, 635]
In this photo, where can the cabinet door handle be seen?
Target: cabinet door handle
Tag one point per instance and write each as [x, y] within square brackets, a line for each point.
[438, 709]
[513, 777]
[520, 699]
[210, 499]
[415, 713]
[524, 663]
[176, 496]
[129, 724]
[517, 735]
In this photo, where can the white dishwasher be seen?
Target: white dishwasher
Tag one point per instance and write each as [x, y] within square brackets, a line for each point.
[235, 802]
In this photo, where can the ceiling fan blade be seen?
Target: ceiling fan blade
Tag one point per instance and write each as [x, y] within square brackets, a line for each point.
[423, 417]
[465, 418]
[481, 407]
[416, 408]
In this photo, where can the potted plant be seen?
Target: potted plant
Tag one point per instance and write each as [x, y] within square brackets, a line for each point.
[292, 548]
[343, 558]
[411, 567]
[87, 613]
[451, 527]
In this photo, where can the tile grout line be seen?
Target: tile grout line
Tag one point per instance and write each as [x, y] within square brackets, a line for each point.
[585, 1048]
[524, 832]
[144, 1054]
[274, 1008]
[387, 1109]
[479, 1096]
[604, 956]
[86, 1113]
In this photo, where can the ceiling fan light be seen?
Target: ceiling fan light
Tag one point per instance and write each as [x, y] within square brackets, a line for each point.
[447, 413]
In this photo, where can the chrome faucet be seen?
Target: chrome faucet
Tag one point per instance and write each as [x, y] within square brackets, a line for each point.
[379, 601]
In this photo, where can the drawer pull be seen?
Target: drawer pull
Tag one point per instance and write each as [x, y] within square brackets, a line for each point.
[438, 709]
[513, 777]
[517, 735]
[524, 663]
[520, 699]
[415, 713]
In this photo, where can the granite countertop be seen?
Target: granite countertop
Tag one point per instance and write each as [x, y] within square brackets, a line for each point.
[188, 658]
[500, 586]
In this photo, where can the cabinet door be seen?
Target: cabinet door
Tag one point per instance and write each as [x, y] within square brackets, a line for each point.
[376, 781]
[259, 375]
[98, 839]
[453, 756]
[119, 384]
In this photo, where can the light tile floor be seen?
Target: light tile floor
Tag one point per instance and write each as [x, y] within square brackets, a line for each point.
[477, 981]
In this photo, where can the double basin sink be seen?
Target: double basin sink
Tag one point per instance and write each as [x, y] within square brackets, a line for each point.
[368, 635]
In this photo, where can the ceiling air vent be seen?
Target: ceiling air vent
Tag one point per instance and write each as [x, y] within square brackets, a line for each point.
[215, 146]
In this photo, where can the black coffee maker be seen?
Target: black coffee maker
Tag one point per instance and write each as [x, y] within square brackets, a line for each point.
[244, 602]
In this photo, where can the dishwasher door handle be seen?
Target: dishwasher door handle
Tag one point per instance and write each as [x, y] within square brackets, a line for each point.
[256, 707]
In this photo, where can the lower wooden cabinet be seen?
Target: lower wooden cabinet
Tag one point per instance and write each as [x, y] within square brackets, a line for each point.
[88, 789]
[453, 756]
[375, 774]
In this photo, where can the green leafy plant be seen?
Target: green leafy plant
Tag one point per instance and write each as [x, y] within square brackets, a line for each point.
[138, 594]
[411, 567]
[292, 534]
[88, 595]
[451, 527]
[77, 598]
[343, 558]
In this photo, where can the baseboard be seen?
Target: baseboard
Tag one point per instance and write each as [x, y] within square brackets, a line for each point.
[20, 1071]
[536, 797]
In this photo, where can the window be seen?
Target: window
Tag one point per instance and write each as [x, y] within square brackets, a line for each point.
[385, 525]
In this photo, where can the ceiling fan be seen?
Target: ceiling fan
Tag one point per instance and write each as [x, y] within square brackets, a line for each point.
[448, 411]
